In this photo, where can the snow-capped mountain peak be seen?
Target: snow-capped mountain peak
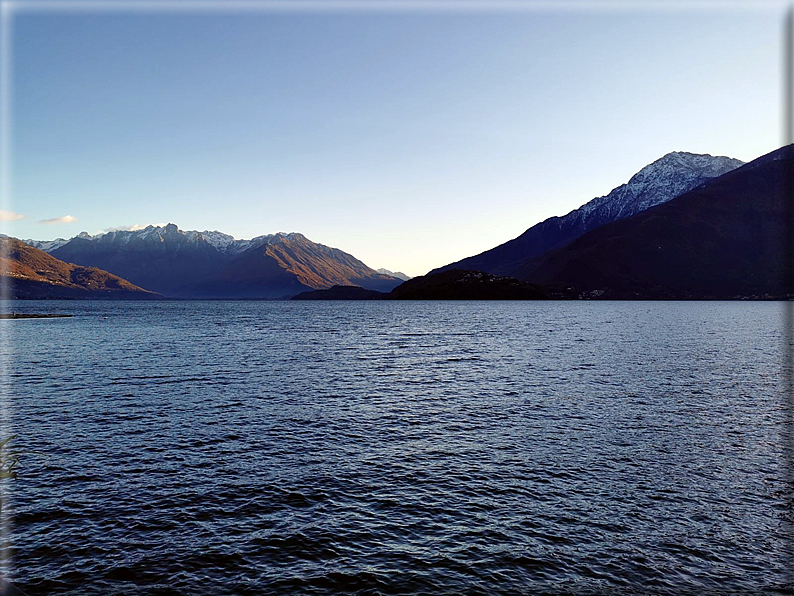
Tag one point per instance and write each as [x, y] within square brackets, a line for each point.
[193, 264]
[666, 178]
[218, 239]
[212, 239]
[397, 274]
[669, 176]
[46, 245]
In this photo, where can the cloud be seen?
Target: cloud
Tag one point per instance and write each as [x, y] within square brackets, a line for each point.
[131, 228]
[58, 220]
[10, 216]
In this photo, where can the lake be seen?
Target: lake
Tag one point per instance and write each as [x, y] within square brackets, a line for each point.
[398, 448]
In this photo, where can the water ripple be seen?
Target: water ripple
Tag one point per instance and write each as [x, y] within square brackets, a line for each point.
[400, 448]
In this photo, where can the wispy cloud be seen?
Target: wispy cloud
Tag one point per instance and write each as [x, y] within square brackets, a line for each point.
[132, 228]
[58, 220]
[10, 216]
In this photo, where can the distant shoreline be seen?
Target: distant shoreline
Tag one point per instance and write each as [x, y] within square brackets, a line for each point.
[289, 299]
[18, 315]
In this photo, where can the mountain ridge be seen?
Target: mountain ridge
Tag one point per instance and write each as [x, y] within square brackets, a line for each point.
[192, 264]
[660, 181]
[724, 239]
[32, 273]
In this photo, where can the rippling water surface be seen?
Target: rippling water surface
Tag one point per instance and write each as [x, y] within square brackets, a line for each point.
[398, 447]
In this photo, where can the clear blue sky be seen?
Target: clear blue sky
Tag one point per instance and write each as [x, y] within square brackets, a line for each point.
[409, 139]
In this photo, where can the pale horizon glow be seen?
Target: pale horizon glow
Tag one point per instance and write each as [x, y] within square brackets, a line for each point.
[408, 139]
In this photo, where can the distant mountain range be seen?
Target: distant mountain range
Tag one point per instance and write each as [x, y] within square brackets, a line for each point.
[32, 273]
[397, 274]
[685, 227]
[191, 264]
[656, 183]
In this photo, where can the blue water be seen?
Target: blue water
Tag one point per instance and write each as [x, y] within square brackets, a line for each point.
[398, 447]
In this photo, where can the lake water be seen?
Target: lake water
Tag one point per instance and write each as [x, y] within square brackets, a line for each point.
[398, 447]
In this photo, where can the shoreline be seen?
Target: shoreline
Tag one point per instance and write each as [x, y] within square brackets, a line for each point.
[17, 315]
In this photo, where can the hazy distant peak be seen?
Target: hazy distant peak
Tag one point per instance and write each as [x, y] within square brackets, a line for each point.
[46, 245]
[397, 274]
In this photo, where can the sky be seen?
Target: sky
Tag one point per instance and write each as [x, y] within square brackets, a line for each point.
[409, 139]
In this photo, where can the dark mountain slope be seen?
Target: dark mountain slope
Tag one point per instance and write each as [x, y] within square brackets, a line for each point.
[656, 183]
[32, 273]
[456, 284]
[444, 285]
[342, 293]
[318, 266]
[287, 265]
[253, 274]
[166, 259]
[724, 239]
[214, 265]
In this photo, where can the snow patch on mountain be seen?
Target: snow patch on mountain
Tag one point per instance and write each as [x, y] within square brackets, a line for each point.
[215, 238]
[46, 245]
[224, 243]
[664, 179]
[397, 274]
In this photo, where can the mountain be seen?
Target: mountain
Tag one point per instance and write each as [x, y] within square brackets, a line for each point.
[656, 183]
[341, 293]
[397, 274]
[47, 245]
[453, 284]
[456, 284]
[191, 264]
[286, 265]
[728, 238]
[32, 273]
